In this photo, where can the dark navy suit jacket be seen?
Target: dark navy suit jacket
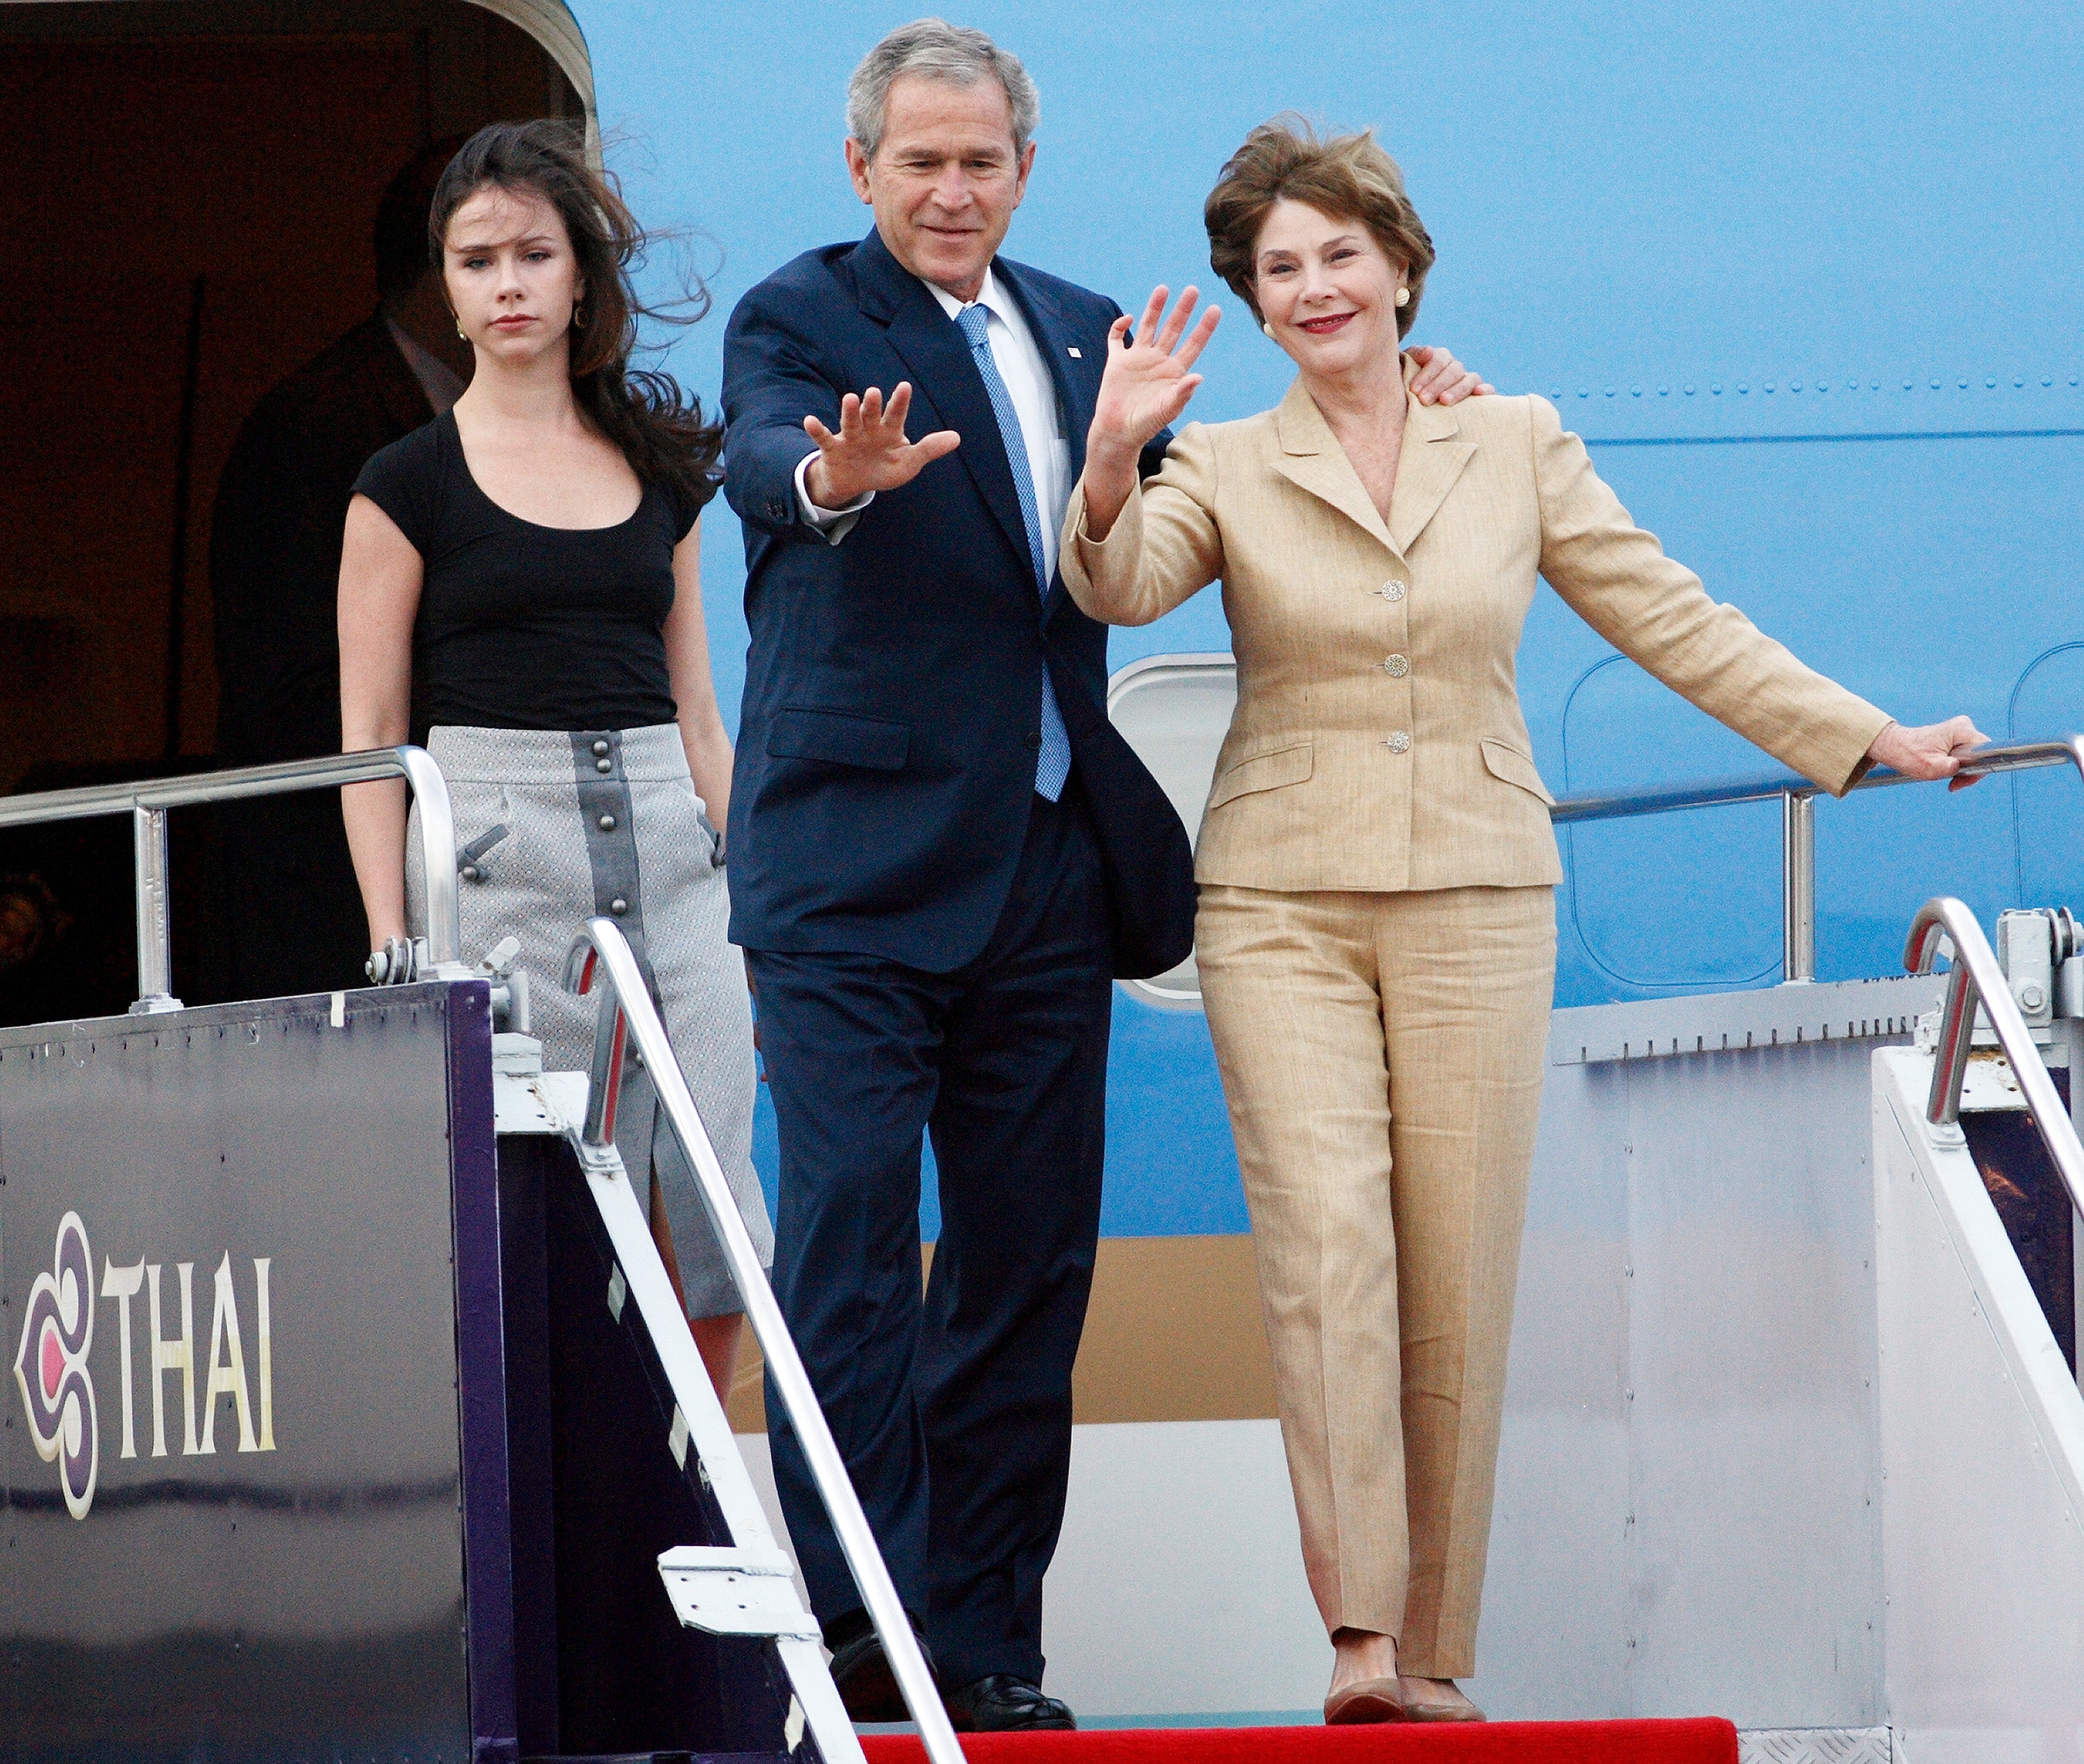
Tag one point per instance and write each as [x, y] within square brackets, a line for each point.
[891, 720]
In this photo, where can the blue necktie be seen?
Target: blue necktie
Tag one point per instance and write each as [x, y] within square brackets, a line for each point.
[1054, 765]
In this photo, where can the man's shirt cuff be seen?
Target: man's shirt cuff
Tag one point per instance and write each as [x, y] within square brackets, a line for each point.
[834, 524]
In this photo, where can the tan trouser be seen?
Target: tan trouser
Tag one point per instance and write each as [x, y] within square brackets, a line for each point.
[1382, 1055]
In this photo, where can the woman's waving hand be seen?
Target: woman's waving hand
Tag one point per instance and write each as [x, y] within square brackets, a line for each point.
[1149, 381]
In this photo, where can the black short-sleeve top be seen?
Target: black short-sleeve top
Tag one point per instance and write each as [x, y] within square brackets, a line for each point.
[528, 627]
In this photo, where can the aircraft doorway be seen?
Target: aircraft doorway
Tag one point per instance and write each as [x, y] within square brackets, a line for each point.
[191, 187]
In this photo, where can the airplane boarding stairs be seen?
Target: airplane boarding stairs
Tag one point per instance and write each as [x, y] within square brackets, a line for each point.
[1793, 1433]
[424, 1465]
[356, 1418]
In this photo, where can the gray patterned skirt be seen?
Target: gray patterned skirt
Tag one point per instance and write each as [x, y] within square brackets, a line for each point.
[606, 822]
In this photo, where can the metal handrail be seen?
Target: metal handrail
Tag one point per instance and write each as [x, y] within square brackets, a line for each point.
[1797, 798]
[147, 800]
[1977, 978]
[1714, 792]
[626, 1009]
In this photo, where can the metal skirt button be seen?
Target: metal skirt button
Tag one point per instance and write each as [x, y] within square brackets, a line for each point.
[606, 823]
[618, 906]
[600, 750]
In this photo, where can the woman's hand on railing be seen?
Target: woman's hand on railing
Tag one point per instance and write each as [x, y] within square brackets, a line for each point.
[1935, 751]
[398, 962]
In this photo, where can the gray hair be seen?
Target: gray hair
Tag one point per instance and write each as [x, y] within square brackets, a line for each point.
[933, 48]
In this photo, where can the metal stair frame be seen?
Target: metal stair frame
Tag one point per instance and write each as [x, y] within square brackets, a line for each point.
[747, 1589]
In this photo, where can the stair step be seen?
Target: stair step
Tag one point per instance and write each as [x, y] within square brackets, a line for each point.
[1704, 1741]
[1816, 1745]
[657, 1757]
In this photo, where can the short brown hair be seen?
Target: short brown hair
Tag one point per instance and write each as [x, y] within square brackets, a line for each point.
[1347, 175]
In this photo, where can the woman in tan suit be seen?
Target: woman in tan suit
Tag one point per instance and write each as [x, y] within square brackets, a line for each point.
[1377, 933]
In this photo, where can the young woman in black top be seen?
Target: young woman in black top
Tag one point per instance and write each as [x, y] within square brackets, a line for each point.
[520, 589]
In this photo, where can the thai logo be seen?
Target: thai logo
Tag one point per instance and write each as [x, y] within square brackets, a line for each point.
[57, 1387]
[57, 1391]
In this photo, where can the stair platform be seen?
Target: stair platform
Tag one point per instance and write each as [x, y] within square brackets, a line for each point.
[1702, 1741]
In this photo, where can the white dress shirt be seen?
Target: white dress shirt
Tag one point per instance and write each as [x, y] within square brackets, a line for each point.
[1019, 359]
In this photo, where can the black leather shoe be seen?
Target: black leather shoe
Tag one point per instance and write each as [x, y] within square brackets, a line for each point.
[1002, 1703]
[861, 1669]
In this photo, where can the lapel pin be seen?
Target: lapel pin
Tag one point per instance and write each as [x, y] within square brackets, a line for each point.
[1075, 355]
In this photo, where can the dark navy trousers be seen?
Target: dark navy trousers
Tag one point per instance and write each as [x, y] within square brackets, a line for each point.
[953, 1412]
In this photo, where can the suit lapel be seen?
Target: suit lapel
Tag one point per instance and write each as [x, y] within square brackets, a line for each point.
[1311, 457]
[945, 380]
[1076, 393]
[1432, 459]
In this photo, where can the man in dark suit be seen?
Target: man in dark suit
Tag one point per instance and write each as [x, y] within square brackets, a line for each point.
[941, 854]
[294, 918]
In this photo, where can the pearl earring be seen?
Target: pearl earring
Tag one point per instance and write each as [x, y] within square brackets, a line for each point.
[1404, 297]
[1267, 329]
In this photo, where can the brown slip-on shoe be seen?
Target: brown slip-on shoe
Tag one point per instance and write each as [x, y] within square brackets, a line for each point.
[1425, 1699]
[1364, 1700]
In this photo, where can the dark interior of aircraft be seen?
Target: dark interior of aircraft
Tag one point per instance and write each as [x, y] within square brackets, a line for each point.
[191, 186]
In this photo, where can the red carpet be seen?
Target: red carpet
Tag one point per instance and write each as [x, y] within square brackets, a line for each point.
[1496, 1742]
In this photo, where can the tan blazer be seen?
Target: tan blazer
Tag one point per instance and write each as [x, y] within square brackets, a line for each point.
[1377, 743]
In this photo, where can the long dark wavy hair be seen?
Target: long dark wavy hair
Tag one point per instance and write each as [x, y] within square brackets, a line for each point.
[659, 427]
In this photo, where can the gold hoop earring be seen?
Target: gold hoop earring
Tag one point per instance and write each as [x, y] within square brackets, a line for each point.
[578, 318]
